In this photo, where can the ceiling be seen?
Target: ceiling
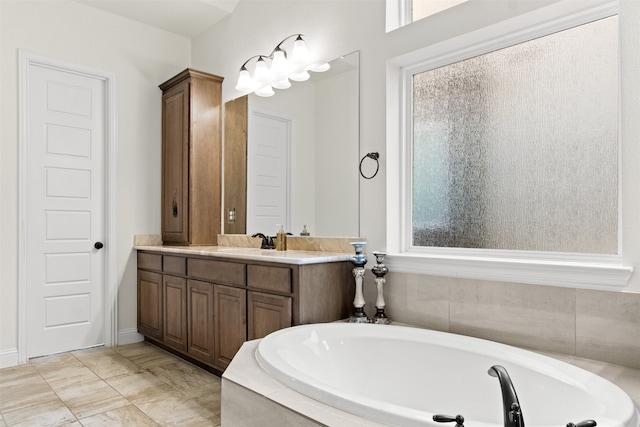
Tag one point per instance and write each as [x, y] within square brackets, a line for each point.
[185, 17]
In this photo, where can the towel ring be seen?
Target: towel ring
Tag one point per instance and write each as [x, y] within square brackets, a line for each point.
[375, 156]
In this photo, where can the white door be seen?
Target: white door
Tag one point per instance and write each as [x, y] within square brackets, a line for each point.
[267, 173]
[64, 210]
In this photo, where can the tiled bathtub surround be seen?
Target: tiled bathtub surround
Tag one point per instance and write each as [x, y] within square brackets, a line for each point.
[597, 325]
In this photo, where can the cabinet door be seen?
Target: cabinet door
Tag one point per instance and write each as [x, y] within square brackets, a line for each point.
[231, 326]
[175, 312]
[267, 313]
[150, 304]
[200, 307]
[175, 164]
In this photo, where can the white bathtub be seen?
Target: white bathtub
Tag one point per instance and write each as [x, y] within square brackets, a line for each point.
[403, 376]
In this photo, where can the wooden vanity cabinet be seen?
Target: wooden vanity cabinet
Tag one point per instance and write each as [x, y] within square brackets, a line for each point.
[191, 158]
[200, 322]
[150, 314]
[230, 323]
[267, 313]
[175, 312]
[206, 308]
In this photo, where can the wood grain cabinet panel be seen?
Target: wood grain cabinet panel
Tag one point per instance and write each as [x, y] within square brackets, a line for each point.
[221, 272]
[231, 324]
[200, 309]
[148, 261]
[205, 308]
[268, 278]
[191, 158]
[267, 313]
[150, 315]
[175, 312]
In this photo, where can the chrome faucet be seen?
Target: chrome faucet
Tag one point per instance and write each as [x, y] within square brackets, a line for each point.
[510, 403]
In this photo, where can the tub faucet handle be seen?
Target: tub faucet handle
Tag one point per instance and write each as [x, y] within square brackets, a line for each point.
[515, 414]
[458, 419]
[586, 423]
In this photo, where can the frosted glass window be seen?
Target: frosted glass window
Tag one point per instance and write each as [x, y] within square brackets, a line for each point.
[517, 149]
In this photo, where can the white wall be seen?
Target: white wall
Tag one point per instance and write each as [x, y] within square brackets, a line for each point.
[141, 57]
[333, 28]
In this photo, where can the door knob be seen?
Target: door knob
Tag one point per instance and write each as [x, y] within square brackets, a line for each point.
[98, 245]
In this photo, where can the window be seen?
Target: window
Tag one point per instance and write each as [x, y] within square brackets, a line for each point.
[423, 8]
[403, 12]
[517, 149]
[508, 167]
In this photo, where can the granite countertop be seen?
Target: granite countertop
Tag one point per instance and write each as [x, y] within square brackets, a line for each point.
[298, 257]
[301, 250]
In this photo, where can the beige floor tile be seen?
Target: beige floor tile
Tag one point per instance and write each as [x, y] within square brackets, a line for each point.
[47, 412]
[24, 392]
[46, 365]
[139, 387]
[208, 396]
[147, 356]
[125, 416]
[174, 408]
[9, 376]
[184, 376]
[111, 365]
[71, 376]
[91, 398]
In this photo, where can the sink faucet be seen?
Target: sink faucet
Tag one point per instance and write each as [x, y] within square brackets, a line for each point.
[510, 403]
[267, 242]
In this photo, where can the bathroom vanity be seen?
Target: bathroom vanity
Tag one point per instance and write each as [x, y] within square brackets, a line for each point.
[205, 302]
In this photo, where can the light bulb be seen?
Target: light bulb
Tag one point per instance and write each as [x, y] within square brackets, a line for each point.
[279, 66]
[300, 77]
[261, 73]
[321, 68]
[265, 92]
[300, 53]
[245, 82]
[282, 84]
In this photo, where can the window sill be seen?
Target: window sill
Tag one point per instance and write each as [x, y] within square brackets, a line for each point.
[587, 275]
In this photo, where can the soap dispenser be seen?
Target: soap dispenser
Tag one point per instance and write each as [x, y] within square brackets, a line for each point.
[304, 231]
[281, 239]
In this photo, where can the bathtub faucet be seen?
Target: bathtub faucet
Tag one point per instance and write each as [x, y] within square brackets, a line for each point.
[510, 403]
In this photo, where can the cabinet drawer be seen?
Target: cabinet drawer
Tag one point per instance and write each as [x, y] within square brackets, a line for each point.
[277, 279]
[226, 273]
[148, 261]
[175, 265]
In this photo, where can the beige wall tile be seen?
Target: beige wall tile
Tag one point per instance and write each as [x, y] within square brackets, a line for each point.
[412, 298]
[608, 326]
[536, 317]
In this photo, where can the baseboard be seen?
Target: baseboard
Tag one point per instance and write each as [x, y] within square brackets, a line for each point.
[129, 336]
[8, 358]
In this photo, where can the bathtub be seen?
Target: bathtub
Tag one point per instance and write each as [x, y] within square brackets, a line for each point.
[402, 376]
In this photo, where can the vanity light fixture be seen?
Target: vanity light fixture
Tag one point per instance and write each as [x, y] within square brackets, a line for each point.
[276, 69]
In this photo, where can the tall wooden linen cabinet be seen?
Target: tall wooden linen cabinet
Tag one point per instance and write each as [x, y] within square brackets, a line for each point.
[191, 158]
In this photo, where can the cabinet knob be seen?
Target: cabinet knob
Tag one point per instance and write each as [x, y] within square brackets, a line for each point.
[98, 245]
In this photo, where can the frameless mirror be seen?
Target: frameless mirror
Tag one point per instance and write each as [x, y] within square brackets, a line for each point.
[301, 154]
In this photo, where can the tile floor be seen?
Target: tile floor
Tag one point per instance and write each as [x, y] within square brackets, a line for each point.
[132, 385]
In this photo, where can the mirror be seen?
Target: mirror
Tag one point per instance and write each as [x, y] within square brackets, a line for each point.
[293, 158]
